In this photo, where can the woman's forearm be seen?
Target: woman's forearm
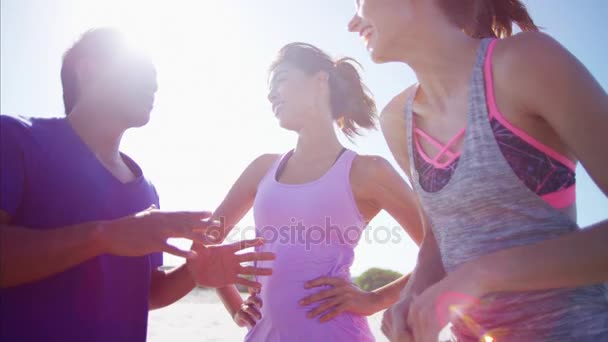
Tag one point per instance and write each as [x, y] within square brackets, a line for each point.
[168, 287]
[231, 298]
[429, 268]
[576, 259]
[388, 294]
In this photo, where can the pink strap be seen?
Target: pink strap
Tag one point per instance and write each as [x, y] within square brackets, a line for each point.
[495, 113]
[449, 143]
[433, 141]
[443, 149]
[433, 162]
[561, 199]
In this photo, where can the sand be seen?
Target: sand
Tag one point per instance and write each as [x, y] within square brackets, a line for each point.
[200, 316]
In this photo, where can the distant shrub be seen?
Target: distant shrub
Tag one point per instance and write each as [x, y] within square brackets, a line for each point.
[375, 278]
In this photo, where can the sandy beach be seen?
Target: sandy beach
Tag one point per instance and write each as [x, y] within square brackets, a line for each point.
[200, 316]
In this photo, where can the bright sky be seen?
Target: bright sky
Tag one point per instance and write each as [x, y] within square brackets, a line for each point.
[211, 116]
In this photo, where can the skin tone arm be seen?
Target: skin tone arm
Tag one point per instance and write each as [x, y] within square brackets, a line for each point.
[393, 127]
[559, 90]
[141, 234]
[235, 205]
[429, 267]
[168, 287]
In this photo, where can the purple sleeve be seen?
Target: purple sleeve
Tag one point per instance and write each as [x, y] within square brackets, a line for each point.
[156, 259]
[12, 164]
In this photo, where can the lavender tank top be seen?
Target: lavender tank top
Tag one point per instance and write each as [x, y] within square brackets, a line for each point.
[313, 228]
[485, 207]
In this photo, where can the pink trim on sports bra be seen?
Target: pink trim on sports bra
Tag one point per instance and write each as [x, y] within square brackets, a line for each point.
[443, 149]
[495, 113]
[561, 199]
[564, 194]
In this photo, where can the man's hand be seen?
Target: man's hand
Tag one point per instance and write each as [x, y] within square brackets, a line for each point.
[147, 232]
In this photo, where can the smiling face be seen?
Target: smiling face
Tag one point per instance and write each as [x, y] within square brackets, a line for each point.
[387, 26]
[296, 96]
[309, 91]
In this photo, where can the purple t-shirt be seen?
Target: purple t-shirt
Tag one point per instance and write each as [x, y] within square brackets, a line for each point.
[49, 179]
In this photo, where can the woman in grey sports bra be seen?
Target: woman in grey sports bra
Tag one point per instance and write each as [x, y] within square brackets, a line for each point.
[517, 266]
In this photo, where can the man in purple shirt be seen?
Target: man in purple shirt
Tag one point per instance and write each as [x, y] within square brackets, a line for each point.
[80, 242]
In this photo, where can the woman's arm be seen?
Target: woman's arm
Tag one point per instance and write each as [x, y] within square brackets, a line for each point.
[576, 259]
[235, 205]
[231, 298]
[557, 88]
[382, 186]
[240, 197]
[429, 271]
[388, 191]
[429, 267]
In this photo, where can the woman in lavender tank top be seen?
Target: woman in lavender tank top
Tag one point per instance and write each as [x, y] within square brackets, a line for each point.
[490, 138]
[312, 204]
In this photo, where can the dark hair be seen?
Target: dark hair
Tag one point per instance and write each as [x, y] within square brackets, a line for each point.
[101, 44]
[488, 18]
[351, 101]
